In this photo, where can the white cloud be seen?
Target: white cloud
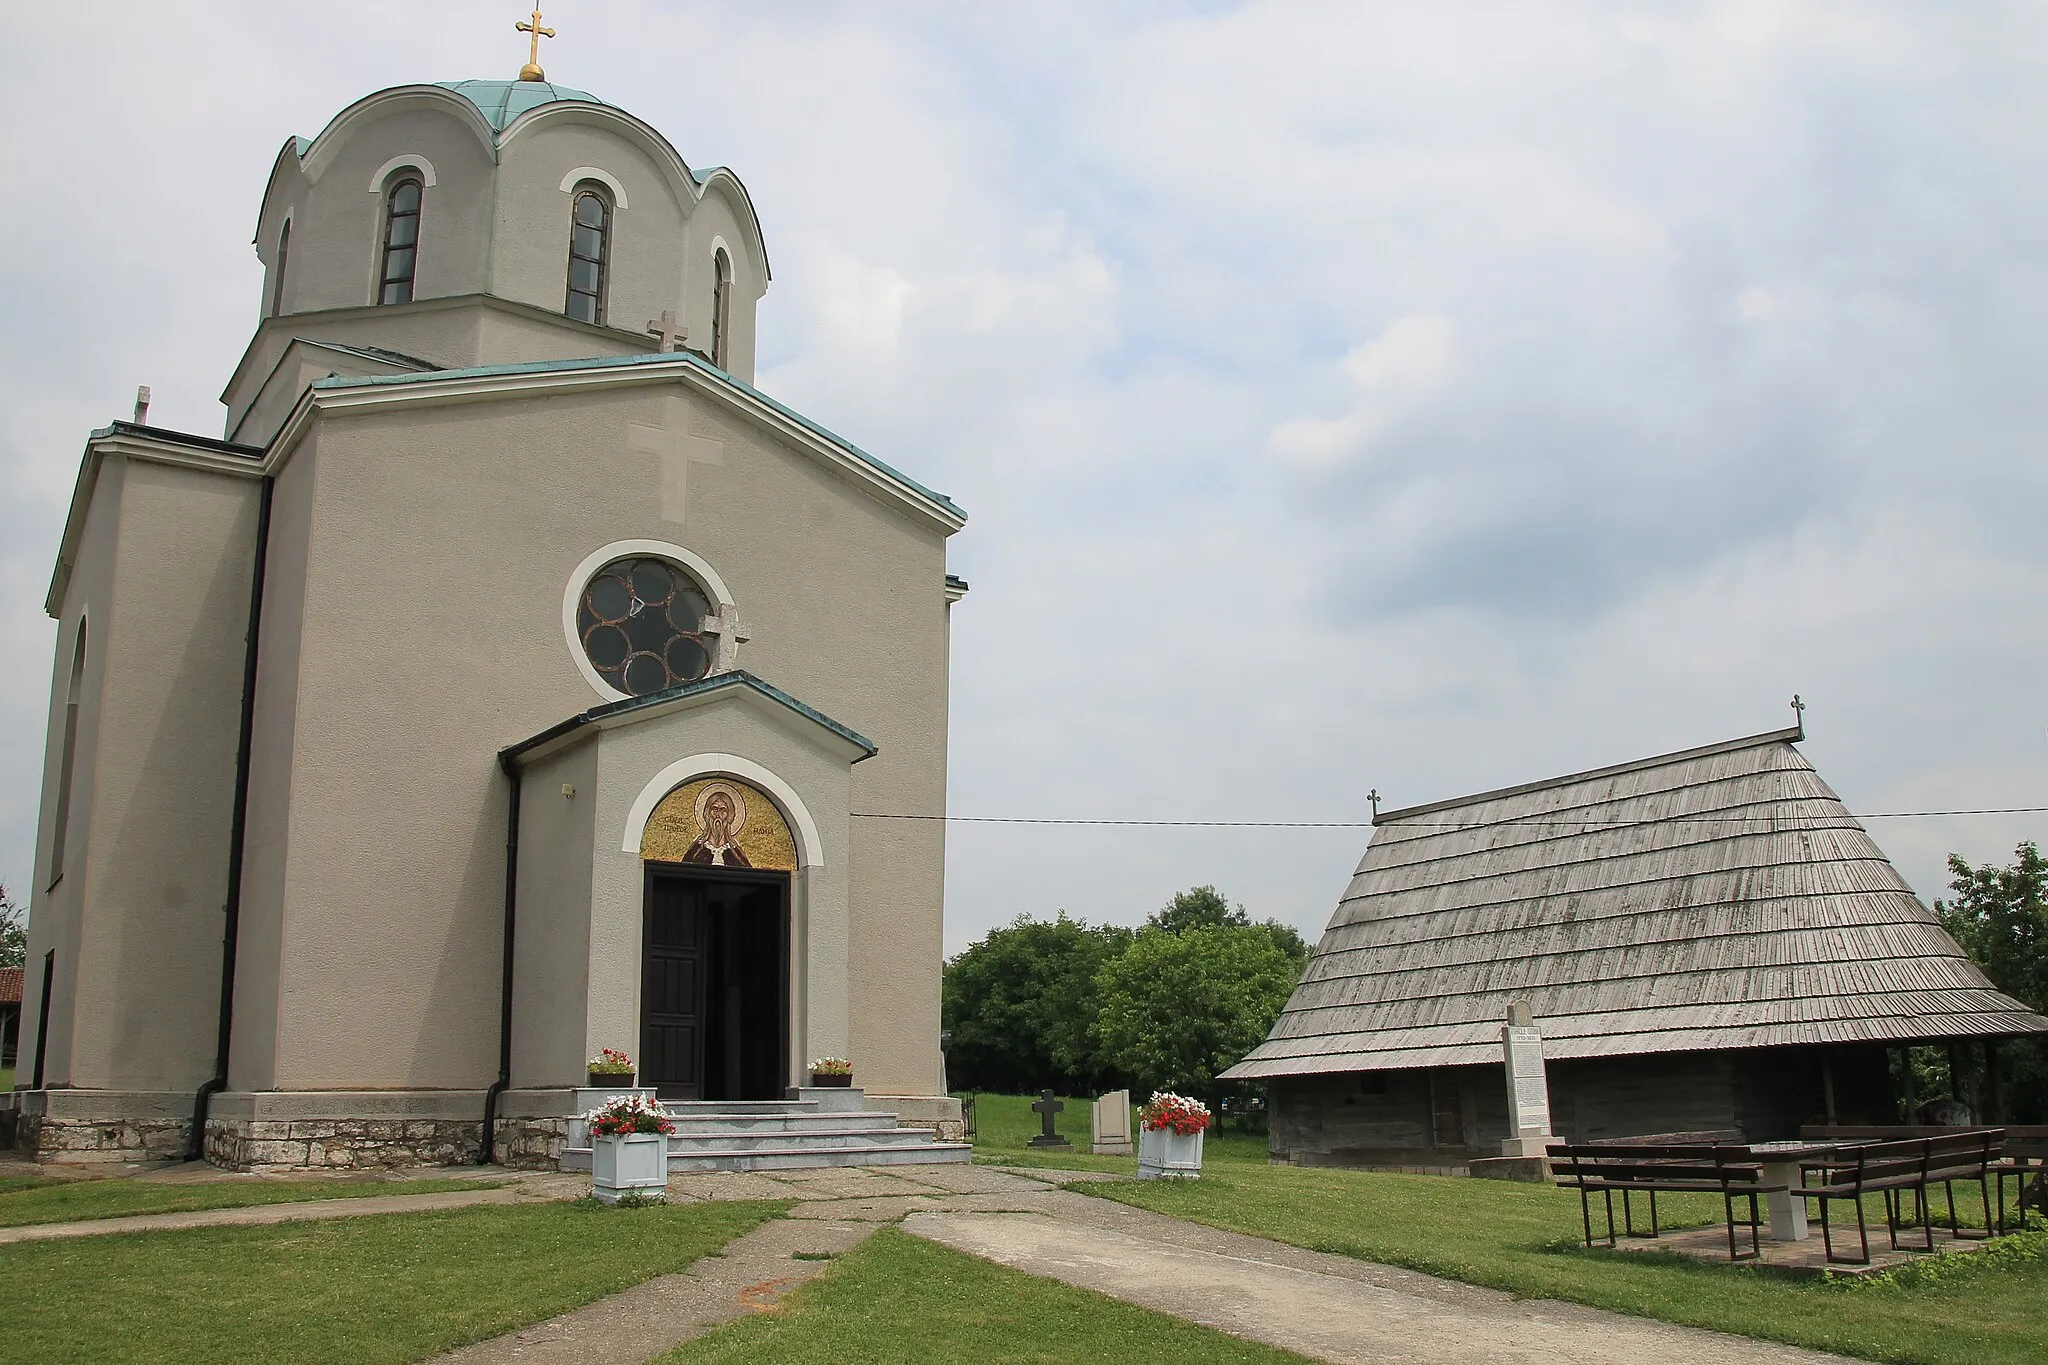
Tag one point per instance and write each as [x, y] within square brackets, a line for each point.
[1410, 363]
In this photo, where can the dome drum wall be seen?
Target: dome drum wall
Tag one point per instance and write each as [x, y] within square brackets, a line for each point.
[499, 164]
[337, 215]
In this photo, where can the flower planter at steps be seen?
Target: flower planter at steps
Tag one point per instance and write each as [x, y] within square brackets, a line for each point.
[629, 1163]
[822, 1079]
[617, 1081]
[1165, 1155]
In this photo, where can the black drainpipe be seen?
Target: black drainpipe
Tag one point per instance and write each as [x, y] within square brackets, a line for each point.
[489, 1154]
[237, 835]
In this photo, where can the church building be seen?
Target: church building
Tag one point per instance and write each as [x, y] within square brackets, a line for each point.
[508, 682]
[1706, 941]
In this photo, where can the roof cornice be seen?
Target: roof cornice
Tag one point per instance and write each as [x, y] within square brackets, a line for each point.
[738, 685]
[155, 445]
[337, 396]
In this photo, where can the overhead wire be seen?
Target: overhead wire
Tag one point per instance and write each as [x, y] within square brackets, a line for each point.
[1418, 824]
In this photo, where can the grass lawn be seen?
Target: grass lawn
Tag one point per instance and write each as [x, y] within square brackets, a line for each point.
[1990, 1309]
[1005, 1124]
[897, 1298]
[63, 1201]
[387, 1289]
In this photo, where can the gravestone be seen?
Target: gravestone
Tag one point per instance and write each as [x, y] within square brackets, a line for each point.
[1046, 1106]
[1528, 1090]
[1112, 1125]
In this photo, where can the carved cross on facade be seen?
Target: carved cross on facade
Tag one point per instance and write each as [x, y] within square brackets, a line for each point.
[672, 337]
[678, 449]
[725, 628]
[1046, 1106]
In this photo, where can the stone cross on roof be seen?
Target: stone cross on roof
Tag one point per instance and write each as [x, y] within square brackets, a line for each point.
[672, 337]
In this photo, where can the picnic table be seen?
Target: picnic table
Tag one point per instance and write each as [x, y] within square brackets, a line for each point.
[1781, 1163]
[1784, 1174]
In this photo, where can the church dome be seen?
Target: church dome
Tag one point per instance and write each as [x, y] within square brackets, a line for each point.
[500, 102]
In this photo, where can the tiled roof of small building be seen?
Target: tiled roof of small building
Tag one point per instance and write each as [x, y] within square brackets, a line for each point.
[1722, 897]
[10, 985]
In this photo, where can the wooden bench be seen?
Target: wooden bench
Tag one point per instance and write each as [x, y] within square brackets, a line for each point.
[1651, 1169]
[2024, 1162]
[2026, 1165]
[1893, 1168]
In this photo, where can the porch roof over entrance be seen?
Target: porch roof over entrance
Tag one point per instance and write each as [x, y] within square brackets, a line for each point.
[855, 746]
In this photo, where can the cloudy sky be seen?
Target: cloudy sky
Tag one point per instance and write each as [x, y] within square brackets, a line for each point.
[1346, 396]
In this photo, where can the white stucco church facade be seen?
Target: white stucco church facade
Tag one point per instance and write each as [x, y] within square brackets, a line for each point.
[512, 680]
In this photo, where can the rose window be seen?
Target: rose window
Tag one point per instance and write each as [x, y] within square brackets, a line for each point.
[646, 625]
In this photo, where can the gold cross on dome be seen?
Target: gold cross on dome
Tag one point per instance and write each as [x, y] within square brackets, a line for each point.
[531, 71]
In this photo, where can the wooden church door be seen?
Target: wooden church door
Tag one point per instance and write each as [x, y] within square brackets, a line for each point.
[714, 983]
[675, 929]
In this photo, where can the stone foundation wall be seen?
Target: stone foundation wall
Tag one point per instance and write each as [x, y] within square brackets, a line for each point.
[341, 1144]
[42, 1138]
[938, 1114]
[531, 1142]
[942, 1130]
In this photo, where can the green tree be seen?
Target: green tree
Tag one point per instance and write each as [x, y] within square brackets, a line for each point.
[1200, 907]
[1019, 1004]
[1177, 1008]
[2000, 917]
[13, 932]
[1204, 907]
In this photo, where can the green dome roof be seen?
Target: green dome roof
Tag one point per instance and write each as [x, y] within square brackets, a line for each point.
[500, 102]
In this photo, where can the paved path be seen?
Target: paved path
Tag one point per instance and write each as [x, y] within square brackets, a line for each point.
[749, 1275]
[259, 1215]
[1328, 1307]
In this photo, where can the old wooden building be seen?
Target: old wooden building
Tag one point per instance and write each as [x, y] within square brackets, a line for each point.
[1707, 939]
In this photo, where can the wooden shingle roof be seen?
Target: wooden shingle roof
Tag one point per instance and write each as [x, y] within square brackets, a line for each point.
[1721, 897]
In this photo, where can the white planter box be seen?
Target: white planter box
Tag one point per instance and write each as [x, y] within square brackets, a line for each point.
[1165, 1155]
[587, 1099]
[633, 1163]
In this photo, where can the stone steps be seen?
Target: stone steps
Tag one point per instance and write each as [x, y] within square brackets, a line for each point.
[759, 1135]
[926, 1153]
[737, 1124]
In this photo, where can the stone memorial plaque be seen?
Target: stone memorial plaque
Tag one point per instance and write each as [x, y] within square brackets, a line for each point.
[1528, 1089]
[1112, 1124]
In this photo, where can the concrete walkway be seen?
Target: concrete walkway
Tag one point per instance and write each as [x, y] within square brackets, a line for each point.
[1327, 1307]
[749, 1275]
[261, 1215]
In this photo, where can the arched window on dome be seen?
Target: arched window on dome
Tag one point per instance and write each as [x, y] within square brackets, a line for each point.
[590, 241]
[401, 238]
[284, 248]
[721, 307]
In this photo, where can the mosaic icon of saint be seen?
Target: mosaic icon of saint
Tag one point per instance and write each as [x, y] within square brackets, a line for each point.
[721, 812]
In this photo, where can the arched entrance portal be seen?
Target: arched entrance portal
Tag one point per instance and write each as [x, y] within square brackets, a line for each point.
[715, 943]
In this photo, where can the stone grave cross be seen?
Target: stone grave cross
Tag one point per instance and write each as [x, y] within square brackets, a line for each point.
[1046, 1106]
